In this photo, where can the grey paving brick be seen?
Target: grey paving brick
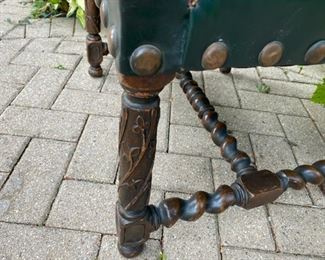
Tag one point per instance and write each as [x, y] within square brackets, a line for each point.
[81, 80]
[88, 206]
[3, 177]
[9, 48]
[16, 74]
[18, 32]
[79, 31]
[16, 3]
[271, 103]
[38, 28]
[4, 28]
[197, 141]
[274, 154]
[31, 242]
[191, 240]
[42, 123]
[7, 95]
[317, 112]
[237, 226]
[43, 45]
[84, 206]
[70, 47]
[43, 89]
[163, 126]
[112, 69]
[181, 110]
[96, 156]
[8, 22]
[61, 26]
[222, 173]
[307, 143]
[109, 250]
[13, 45]
[44, 59]
[189, 174]
[317, 196]
[88, 102]
[314, 71]
[303, 78]
[112, 85]
[291, 89]
[246, 79]
[298, 230]
[294, 68]
[31, 188]
[250, 121]
[19, 10]
[245, 254]
[271, 73]
[12, 85]
[11, 148]
[6, 55]
[220, 89]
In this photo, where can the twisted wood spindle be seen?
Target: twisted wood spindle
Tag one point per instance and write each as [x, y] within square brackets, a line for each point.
[248, 191]
[303, 174]
[239, 160]
[169, 211]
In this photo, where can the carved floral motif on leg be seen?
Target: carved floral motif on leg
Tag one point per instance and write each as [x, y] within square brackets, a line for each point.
[137, 146]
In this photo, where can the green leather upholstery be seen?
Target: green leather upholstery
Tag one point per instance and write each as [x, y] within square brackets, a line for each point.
[245, 26]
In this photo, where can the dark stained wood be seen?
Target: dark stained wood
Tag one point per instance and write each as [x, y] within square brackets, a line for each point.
[96, 49]
[137, 147]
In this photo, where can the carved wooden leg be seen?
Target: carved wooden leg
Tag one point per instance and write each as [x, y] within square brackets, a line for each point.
[96, 49]
[137, 147]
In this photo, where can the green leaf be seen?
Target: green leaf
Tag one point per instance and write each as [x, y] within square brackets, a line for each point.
[319, 94]
[60, 67]
[72, 7]
[54, 2]
[81, 17]
[263, 88]
[81, 4]
[162, 256]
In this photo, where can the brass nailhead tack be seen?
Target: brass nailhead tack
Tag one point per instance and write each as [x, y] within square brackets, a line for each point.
[316, 53]
[215, 56]
[146, 60]
[271, 54]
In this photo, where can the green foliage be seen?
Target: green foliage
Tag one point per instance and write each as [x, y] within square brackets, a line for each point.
[319, 95]
[263, 88]
[162, 256]
[60, 67]
[52, 8]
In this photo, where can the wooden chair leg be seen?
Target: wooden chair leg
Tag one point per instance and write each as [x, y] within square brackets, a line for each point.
[137, 147]
[96, 49]
[225, 70]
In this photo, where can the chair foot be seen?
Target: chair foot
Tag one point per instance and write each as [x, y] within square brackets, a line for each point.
[95, 72]
[226, 70]
[130, 251]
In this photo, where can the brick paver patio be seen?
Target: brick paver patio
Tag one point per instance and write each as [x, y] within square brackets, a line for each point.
[58, 153]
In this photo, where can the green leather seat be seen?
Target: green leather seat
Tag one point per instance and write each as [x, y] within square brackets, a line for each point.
[183, 29]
